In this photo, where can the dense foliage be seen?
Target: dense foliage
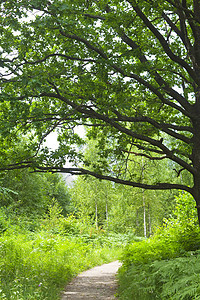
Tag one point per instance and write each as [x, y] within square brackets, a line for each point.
[25, 193]
[167, 266]
[37, 263]
[122, 208]
[119, 208]
[129, 70]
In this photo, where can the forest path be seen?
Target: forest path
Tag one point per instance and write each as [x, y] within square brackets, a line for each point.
[98, 283]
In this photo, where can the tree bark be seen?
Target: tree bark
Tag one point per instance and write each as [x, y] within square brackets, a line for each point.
[196, 160]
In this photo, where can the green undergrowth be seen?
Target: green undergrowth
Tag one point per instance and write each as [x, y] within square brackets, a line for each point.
[38, 266]
[166, 266]
[177, 278]
[38, 258]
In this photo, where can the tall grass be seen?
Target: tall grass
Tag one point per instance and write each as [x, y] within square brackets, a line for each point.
[38, 258]
[37, 266]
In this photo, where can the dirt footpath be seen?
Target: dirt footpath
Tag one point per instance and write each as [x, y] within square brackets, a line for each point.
[97, 283]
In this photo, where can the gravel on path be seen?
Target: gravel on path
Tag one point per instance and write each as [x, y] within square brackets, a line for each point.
[98, 283]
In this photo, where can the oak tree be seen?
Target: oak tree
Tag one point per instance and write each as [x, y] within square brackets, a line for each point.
[129, 69]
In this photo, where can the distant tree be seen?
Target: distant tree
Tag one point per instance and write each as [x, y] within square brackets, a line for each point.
[130, 69]
[93, 200]
[28, 193]
[122, 208]
[56, 188]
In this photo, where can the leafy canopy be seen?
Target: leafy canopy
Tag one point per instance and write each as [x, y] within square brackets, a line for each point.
[128, 70]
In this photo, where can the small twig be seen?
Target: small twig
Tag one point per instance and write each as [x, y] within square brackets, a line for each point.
[145, 155]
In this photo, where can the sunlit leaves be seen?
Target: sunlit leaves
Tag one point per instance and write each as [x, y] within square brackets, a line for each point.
[118, 67]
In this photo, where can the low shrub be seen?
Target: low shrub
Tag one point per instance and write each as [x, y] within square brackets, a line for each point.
[174, 279]
[38, 265]
[156, 268]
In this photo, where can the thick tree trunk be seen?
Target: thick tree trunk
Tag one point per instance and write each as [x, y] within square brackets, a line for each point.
[196, 4]
[196, 160]
[196, 121]
[196, 194]
[196, 110]
[197, 199]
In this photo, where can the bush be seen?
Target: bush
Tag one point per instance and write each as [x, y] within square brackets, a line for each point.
[156, 268]
[38, 265]
[174, 279]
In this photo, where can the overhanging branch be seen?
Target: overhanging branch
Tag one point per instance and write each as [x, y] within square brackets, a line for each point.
[82, 171]
[95, 115]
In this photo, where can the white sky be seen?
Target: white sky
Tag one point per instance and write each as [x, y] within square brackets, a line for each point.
[51, 139]
[52, 143]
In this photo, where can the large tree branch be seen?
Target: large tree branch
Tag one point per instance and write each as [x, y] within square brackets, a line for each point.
[95, 115]
[82, 171]
[170, 91]
[160, 95]
[84, 41]
[89, 112]
[191, 16]
[179, 128]
[94, 17]
[156, 124]
[158, 78]
[181, 33]
[164, 43]
[156, 151]
[155, 90]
